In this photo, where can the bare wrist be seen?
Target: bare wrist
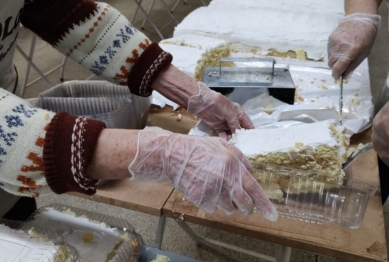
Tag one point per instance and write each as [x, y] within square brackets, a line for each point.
[175, 85]
[115, 150]
[362, 6]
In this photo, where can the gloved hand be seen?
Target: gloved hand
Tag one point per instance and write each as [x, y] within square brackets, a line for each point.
[218, 112]
[351, 42]
[380, 135]
[209, 171]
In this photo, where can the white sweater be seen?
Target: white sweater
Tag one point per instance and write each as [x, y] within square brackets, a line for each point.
[41, 151]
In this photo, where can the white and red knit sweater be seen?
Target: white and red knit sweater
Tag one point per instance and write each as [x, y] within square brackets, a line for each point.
[41, 151]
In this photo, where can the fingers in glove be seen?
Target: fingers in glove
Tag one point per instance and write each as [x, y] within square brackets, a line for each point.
[223, 135]
[380, 144]
[244, 120]
[233, 120]
[339, 68]
[354, 64]
[236, 152]
[242, 200]
[225, 203]
[261, 202]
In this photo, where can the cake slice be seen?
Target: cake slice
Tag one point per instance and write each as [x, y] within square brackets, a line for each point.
[319, 147]
[94, 240]
[300, 160]
[191, 53]
[18, 245]
[269, 30]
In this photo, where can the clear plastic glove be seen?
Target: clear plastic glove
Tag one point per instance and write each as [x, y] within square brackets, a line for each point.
[351, 42]
[218, 112]
[209, 171]
[380, 135]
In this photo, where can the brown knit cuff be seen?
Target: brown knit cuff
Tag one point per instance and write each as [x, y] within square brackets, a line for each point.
[68, 150]
[150, 63]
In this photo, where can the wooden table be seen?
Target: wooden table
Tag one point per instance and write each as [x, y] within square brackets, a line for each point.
[365, 244]
[145, 197]
[148, 198]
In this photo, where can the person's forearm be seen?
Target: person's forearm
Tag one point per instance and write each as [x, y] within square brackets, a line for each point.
[115, 150]
[361, 6]
[175, 85]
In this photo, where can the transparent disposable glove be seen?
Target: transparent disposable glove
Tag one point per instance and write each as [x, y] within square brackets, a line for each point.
[351, 42]
[218, 112]
[380, 135]
[210, 171]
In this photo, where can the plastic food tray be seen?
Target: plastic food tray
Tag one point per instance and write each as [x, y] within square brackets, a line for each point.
[112, 104]
[50, 246]
[150, 253]
[308, 197]
[91, 233]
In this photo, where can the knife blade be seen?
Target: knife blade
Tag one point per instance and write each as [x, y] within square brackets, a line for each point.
[358, 151]
[341, 101]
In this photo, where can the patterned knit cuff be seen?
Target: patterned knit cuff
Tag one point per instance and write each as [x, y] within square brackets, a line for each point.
[150, 63]
[68, 150]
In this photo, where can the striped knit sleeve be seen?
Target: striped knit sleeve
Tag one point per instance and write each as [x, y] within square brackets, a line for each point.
[99, 38]
[41, 151]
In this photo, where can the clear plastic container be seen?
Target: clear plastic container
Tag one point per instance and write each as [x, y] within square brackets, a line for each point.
[308, 197]
[96, 237]
[22, 241]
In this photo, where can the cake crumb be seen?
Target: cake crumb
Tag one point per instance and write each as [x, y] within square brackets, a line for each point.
[70, 212]
[88, 237]
[355, 101]
[33, 233]
[179, 117]
[161, 258]
[323, 87]
[301, 55]
[299, 144]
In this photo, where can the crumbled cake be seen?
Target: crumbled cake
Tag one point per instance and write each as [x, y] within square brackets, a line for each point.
[319, 147]
[161, 258]
[18, 245]
[89, 235]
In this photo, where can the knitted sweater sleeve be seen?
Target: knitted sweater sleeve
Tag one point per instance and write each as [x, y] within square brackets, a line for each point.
[41, 151]
[100, 38]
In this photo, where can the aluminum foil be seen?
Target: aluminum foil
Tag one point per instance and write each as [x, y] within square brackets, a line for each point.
[317, 99]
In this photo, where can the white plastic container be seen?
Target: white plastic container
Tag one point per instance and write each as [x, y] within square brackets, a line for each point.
[112, 104]
[306, 196]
